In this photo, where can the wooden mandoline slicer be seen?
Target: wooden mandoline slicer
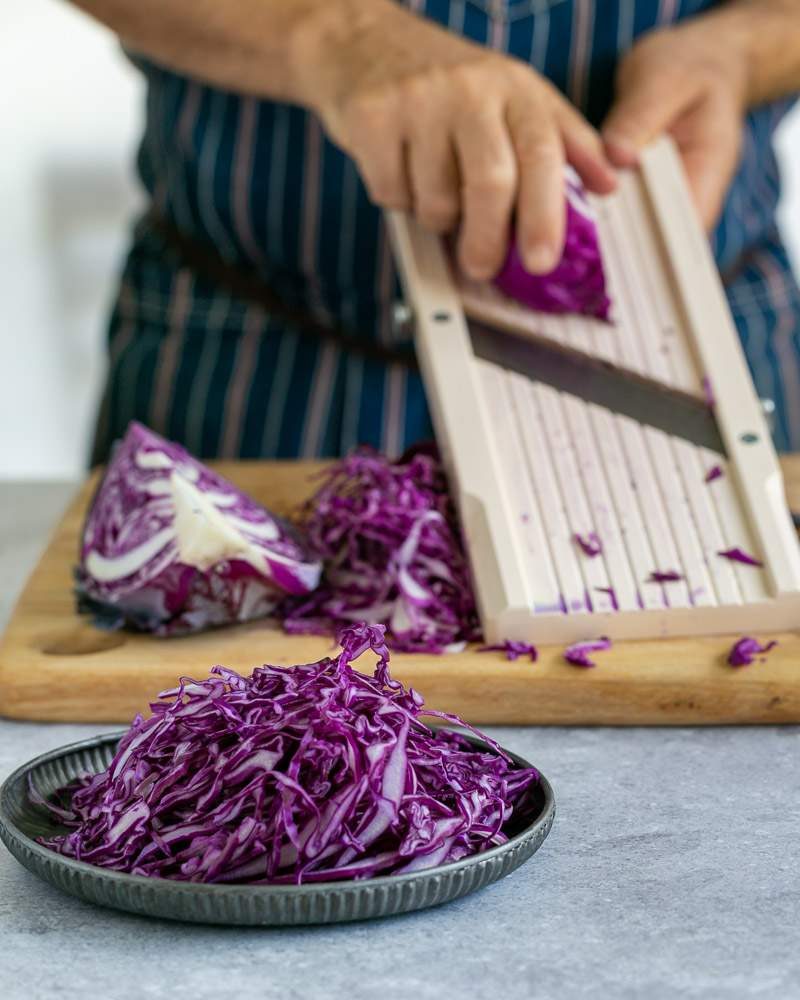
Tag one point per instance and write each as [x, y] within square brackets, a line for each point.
[532, 465]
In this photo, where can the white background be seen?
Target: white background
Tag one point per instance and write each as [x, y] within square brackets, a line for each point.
[70, 113]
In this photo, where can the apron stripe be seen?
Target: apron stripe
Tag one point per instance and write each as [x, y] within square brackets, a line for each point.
[244, 371]
[318, 412]
[279, 395]
[242, 180]
[309, 231]
[580, 51]
[186, 124]
[212, 341]
[784, 342]
[394, 408]
[207, 175]
[171, 351]
[354, 379]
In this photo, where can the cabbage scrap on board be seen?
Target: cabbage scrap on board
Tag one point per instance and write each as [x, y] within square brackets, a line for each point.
[293, 775]
[390, 542]
[577, 284]
[171, 547]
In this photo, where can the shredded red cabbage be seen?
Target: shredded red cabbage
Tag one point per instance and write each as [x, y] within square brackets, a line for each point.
[715, 472]
[513, 649]
[664, 576]
[611, 593]
[589, 543]
[577, 284]
[390, 543]
[738, 555]
[170, 547]
[295, 774]
[578, 653]
[708, 392]
[745, 650]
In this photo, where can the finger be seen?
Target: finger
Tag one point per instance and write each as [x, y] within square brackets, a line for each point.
[382, 165]
[434, 179]
[708, 142]
[488, 171]
[645, 106]
[541, 212]
[584, 149]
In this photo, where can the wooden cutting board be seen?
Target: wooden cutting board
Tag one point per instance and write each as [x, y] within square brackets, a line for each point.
[56, 666]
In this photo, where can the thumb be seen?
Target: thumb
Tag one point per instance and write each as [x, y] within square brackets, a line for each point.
[647, 102]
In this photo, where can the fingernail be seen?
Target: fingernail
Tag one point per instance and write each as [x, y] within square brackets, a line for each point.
[539, 258]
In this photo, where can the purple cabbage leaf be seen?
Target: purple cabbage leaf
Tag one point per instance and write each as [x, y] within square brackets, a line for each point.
[578, 653]
[736, 554]
[513, 649]
[745, 650]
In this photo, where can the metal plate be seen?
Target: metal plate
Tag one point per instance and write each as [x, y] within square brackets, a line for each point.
[21, 823]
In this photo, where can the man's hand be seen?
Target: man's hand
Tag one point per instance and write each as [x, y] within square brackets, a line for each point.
[451, 131]
[690, 81]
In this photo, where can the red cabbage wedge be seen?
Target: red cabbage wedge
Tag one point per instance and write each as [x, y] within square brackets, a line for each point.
[169, 546]
[295, 774]
[577, 284]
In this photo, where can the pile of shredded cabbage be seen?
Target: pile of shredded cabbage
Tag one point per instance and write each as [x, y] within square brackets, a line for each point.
[390, 544]
[295, 774]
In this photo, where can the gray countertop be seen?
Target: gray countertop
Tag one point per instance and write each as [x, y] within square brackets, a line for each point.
[673, 869]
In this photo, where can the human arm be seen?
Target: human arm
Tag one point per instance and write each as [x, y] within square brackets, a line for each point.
[458, 134]
[697, 80]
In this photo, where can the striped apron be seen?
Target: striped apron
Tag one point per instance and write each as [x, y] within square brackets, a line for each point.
[260, 183]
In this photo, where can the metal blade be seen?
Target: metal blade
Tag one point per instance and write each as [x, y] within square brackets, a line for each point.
[645, 400]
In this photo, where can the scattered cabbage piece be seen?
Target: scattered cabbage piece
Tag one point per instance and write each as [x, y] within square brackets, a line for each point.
[744, 650]
[171, 547]
[715, 472]
[513, 649]
[295, 774]
[708, 392]
[577, 284]
[738, 555]
[611, 593]
[589, 543]
[389, 539]
[578, 653]
[664, 576]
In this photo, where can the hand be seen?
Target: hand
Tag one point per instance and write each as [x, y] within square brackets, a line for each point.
[690, 81]
[454, 132]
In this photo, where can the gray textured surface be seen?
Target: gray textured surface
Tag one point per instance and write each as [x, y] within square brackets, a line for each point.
[673, 870]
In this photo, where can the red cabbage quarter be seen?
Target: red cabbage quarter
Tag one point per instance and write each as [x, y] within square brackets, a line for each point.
[744, 650]
[513, 650]
[589, 543]
[577, 284]
[664, 576]
[389, 539]
[578, 653]
[295, 774]
[171, 547]
[738, 555]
